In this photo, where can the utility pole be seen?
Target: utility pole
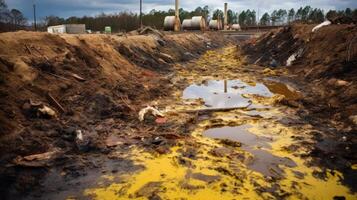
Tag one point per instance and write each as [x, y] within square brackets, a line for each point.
[225, 16]
[34, 16]
[141, 14]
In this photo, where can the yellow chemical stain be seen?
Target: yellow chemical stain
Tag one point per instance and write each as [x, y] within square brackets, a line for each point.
[166, 175]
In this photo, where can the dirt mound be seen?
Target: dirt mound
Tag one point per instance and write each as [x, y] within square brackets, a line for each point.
[51, 86]
[323, 64]
[324, 60]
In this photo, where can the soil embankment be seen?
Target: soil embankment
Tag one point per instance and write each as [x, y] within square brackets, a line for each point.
[56, 88]
[323, 65]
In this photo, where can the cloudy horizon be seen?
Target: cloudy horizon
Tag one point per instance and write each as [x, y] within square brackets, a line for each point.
[68, 8]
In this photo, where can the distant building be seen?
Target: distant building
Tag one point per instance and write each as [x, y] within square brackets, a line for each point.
[68, 28]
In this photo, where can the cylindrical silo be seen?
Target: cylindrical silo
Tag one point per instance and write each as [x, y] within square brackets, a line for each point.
[171, 23]
[198, 23]
[187, 24]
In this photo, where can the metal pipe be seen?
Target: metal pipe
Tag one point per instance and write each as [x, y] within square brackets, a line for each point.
[225, 16]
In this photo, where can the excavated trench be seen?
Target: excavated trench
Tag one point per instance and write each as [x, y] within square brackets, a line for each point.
[244, 143]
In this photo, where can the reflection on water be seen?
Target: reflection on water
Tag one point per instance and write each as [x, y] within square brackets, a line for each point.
[263, 161]
[225, 94]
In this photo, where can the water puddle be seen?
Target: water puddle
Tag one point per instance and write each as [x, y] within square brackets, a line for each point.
[262, 161]
[225, 93]
[204, 167]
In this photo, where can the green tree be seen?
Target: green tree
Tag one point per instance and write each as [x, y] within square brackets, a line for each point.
[232, 17]
[291, 15]
[53, 20]
[348, 12]
[3, 5]
[305, 13]
[316, 16]
[331, 14]
[265, 20]
[242, 18]
[4, 12]
[298, 15]
[281, 16]
[217, 14]
[274, 17]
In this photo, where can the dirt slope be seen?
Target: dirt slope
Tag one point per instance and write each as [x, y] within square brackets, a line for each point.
[326, 64]
[96, 80]
[325, 69]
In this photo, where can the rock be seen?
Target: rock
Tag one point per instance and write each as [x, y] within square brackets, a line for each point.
[206, 178]
[341, 83]
[113, 141]
[230, 143]
[353, 118]
[161, 120]
[221, 151]
[273, 63]
[269, 72]
[149, 189]
[82, 141]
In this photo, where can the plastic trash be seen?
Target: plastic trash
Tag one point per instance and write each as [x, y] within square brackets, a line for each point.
[150, 110]
[325, 23]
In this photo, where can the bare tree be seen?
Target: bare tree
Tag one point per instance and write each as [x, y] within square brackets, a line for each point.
[17, 18]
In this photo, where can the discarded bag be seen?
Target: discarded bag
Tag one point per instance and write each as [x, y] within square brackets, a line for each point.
[149, 110]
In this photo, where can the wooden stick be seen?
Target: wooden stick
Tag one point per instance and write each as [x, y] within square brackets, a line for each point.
[211, 109]
[55, 102]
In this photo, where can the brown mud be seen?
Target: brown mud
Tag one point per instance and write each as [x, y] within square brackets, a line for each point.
[230, 129]
[95, 84]
[325, 70]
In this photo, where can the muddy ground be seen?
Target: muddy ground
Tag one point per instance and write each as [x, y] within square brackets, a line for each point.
[232, 128]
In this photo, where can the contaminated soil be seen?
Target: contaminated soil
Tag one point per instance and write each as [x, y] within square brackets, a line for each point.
[233, 126]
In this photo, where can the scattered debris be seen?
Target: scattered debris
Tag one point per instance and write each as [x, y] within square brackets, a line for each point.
[38, 160]
[55, 103]
[353, 118]
[293, 57]
[269, 72]
[82, 142]
[160, 120]
[149, 110]
[113, 141]
[325, 23]
[79, 78]
[148, 29]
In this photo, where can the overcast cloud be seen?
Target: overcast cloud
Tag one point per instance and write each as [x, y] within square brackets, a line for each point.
[67, 8]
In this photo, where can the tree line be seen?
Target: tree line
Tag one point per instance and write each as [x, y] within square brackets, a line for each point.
[13, 19]
[305, 14]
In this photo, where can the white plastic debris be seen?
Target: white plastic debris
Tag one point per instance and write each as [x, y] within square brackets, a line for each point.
[47, 111]
[325, 23]
[79, 135]
[293, 57]
[150, 110]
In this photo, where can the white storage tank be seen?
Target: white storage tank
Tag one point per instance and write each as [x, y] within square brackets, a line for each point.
[171, 23]
[215, 24]
[198, 23]
[236, 27]
[186, 24]
[68, 28]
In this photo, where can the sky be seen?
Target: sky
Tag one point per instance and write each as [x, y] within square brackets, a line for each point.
[67, 8]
